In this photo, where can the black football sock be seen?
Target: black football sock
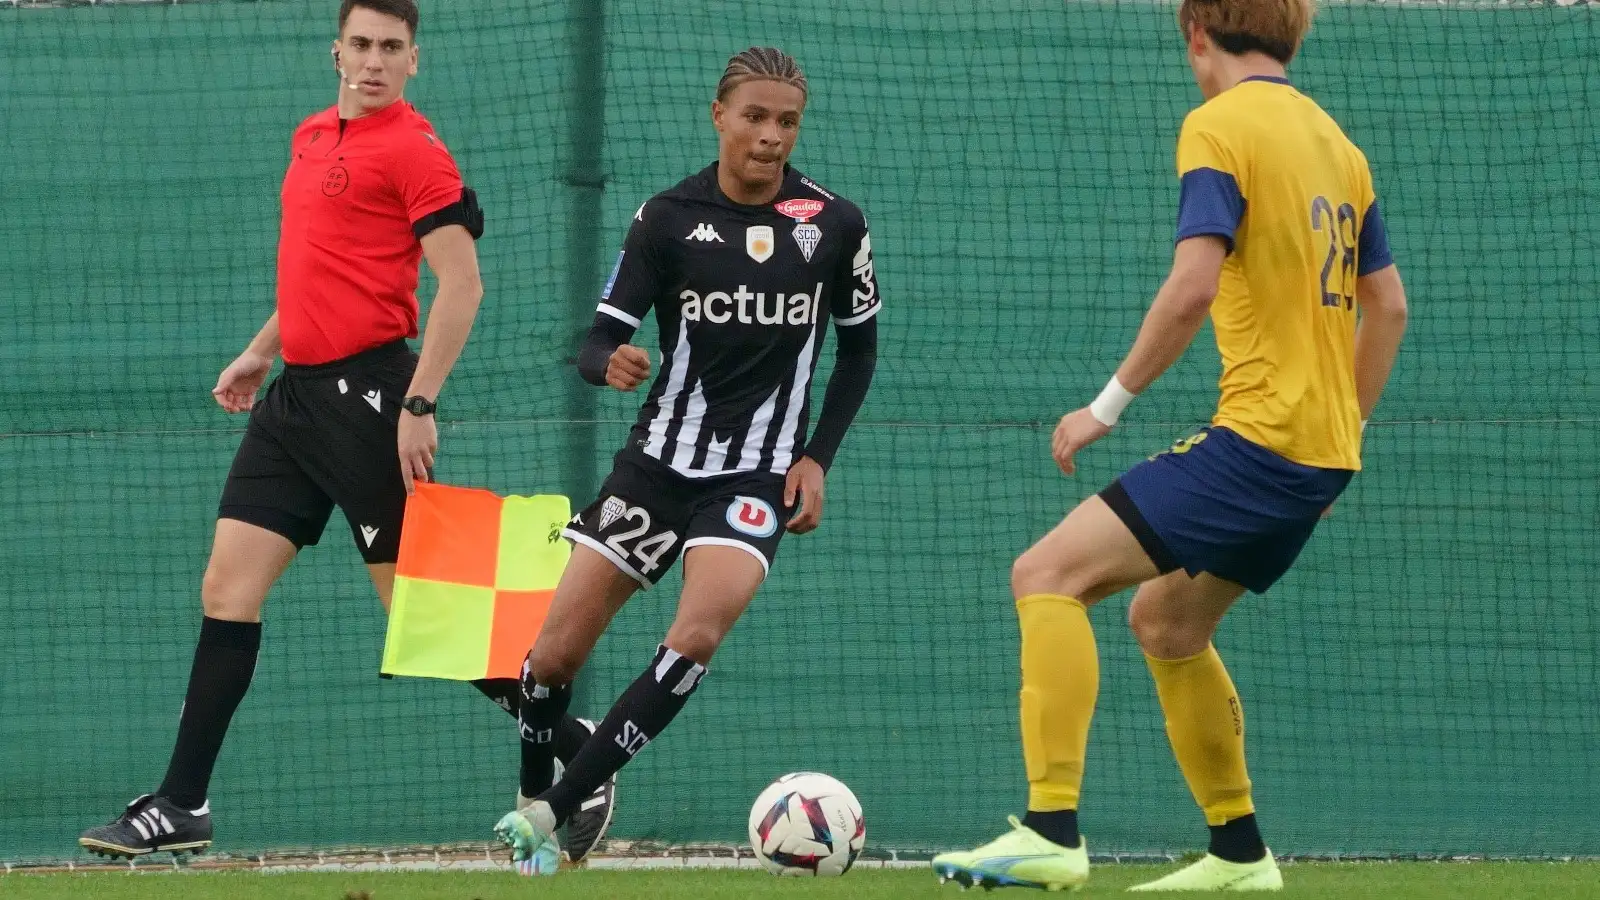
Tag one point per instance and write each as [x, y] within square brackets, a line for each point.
[541, 713]
[505, 692]
[224, 663]
[1057, 827]
[570, 738]
[642, 712]
[1238, 840]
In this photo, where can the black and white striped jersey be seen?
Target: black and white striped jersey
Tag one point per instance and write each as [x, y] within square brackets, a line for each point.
[742, 295]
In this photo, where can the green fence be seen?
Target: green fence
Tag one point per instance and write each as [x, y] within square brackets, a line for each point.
[1423, 683]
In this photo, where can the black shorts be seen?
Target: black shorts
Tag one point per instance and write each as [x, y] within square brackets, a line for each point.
[647, 515]
[326, 435]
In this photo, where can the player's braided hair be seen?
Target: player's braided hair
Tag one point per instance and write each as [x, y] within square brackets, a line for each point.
[768, 63]
[1273, 27]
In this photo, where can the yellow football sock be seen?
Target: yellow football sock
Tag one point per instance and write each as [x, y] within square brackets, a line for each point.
[1060, 680]
[1206, 726]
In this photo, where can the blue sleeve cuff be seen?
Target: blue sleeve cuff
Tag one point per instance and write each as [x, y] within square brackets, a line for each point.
[1372, 247]
[1209, 203]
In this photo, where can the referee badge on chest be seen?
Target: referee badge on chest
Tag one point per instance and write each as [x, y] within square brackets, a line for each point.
[807, 236]
[758, 242]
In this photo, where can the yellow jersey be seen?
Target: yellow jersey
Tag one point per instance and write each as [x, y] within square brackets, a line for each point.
[1263, 167]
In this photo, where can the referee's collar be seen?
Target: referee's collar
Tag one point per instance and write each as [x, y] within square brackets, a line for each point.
[382, 117]
[1274, 79]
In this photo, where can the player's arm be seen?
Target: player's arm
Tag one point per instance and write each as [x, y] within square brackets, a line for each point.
[453, 257]
[1382, 308]
[446, 220]
[1175, 317]
[854, 306]
[267, 342]
[1211, 205]
[854, 361]
[606, 357]
[237, 385]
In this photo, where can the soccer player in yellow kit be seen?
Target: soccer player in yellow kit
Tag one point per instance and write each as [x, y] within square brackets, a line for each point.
[1280, 240]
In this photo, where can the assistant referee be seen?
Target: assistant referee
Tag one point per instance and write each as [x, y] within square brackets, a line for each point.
[370, 191]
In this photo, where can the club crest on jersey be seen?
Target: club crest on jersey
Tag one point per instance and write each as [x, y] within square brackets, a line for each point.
[610, 511]
[807, 236]
[752, 516]
[800, 209]
[758, 241]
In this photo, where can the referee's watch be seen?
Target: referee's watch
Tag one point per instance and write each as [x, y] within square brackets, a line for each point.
[418, 405]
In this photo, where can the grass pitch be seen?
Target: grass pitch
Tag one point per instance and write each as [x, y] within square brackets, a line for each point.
[1325, 881]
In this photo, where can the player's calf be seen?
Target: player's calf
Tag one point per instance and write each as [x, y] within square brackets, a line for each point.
[151, 824]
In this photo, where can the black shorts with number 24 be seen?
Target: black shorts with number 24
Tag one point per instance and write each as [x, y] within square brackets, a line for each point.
[647, 515]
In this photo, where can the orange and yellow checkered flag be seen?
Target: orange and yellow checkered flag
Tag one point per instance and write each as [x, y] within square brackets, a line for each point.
[474, 581]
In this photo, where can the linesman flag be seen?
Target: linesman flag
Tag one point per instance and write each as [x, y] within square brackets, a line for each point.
[474, 581]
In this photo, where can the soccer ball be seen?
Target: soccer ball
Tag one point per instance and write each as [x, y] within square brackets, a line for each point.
[807, 823]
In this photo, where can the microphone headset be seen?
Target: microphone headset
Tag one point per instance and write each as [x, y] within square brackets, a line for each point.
[342, 76]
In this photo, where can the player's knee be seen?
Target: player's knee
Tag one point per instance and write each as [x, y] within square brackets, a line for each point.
[1163, 635]
[226, 597]
[1037, 571]
[696, 640]
[1032, 573]
[554, 666]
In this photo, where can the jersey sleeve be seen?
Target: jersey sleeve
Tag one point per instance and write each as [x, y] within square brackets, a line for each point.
[1211, 198]
[1372, 246]
[425, 175]
[855, 285]
[640, 273]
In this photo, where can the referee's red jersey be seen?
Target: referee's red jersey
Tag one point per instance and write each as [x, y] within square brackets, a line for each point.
[347, 255]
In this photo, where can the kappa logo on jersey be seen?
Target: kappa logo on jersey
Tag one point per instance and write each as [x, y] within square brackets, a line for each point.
[800, 209]
[758, 241]
[704, 233]
[718, 307]
[808, 236]
[610, 511]
[861, 300]
[752, 516]
[639, 216]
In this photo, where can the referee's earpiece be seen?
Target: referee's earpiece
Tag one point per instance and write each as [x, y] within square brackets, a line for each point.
[342, 76]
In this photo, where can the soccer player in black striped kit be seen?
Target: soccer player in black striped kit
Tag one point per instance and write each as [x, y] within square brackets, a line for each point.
[744, 264]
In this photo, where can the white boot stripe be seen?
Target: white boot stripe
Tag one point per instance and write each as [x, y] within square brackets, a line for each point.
[592, 802]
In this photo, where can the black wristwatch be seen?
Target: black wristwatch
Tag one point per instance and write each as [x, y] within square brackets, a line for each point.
[418, 405]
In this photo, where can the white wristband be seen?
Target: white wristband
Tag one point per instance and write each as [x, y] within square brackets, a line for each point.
[1108, 407]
